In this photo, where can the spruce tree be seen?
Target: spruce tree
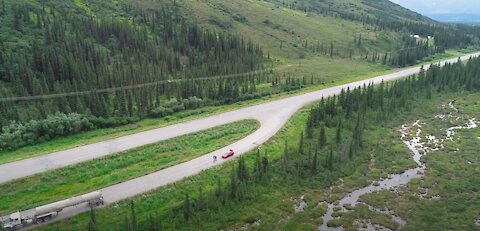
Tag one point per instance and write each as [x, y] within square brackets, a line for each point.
[351, 150]
[242, 170]
[3, 7]
[127, 226]
[158, 222]
[201, 204]
[330, 159]
[133, 215]
[301, 144]
[315, 161]
[92, 224]
[151, 223]
[187, 208]
[284, 161]
[338, 136]
[233, 193]
[311, 123]
[322, 138]
[258, 167]
[219, 192]
[265, 163]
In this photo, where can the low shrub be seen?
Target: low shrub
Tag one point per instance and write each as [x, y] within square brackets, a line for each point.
[15, 135]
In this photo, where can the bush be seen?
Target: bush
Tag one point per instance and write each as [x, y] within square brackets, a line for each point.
[16, 135]
[193, 103]
[100, 122]
[220, 23]
[174, 106]
[334, 223]
[161, 112]
[240, 18]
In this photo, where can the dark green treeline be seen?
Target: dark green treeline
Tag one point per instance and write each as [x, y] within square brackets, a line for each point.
[61, 50]
[332, 146]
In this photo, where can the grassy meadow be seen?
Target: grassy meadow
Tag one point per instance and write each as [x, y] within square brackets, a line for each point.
[96, 174]
[272, 204]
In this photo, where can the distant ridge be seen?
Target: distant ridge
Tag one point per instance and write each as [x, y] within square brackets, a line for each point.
[456, 18]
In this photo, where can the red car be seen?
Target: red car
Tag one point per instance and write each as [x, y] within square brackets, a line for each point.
[228, 154]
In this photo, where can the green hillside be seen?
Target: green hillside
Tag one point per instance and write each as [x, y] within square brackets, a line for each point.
[283, 29]
[57, 47]
[295, 29]
[127, 60]
[76, 72]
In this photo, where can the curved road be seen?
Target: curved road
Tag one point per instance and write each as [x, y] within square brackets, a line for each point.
[272, 116]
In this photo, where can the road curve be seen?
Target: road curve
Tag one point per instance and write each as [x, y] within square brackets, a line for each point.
[272, 116]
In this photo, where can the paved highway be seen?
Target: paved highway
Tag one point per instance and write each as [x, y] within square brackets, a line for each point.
[272, 116]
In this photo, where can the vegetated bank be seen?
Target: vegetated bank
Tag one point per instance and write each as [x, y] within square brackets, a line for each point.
[344, 141]
[92, 175]
[446, 197]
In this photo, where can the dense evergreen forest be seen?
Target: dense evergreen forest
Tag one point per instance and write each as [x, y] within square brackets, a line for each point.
[71, 52]
[331, 146]
[125, 63]
[51, 48]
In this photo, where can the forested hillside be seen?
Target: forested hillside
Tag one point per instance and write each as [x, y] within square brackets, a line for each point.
[370, 30]
[55, 47]
[385, 15]
[76, 65]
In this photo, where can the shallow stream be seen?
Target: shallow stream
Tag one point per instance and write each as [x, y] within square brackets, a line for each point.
[418, 149]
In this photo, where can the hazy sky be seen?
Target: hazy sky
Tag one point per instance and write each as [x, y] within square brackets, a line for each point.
[429, 7]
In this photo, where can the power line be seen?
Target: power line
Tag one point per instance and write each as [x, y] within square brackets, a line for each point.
[114, 89]
[136, 86]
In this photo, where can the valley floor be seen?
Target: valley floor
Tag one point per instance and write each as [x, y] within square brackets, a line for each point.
[444, 195]
[441, 191]
[334, 72]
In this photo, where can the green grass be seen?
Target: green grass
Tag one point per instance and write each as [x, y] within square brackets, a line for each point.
[448, 175]
[268, 206]
[89, 137]
[339, 71]
[305, 27]
[361, 212]
[272, 205]
[451, 175]
[348, 74]
[80, 4]
[332, 72]
[286, 31]
[96, 174]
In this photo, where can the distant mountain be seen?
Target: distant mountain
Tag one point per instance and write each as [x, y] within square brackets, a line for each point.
[434, 7]
[456, 18]
[450, 11]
